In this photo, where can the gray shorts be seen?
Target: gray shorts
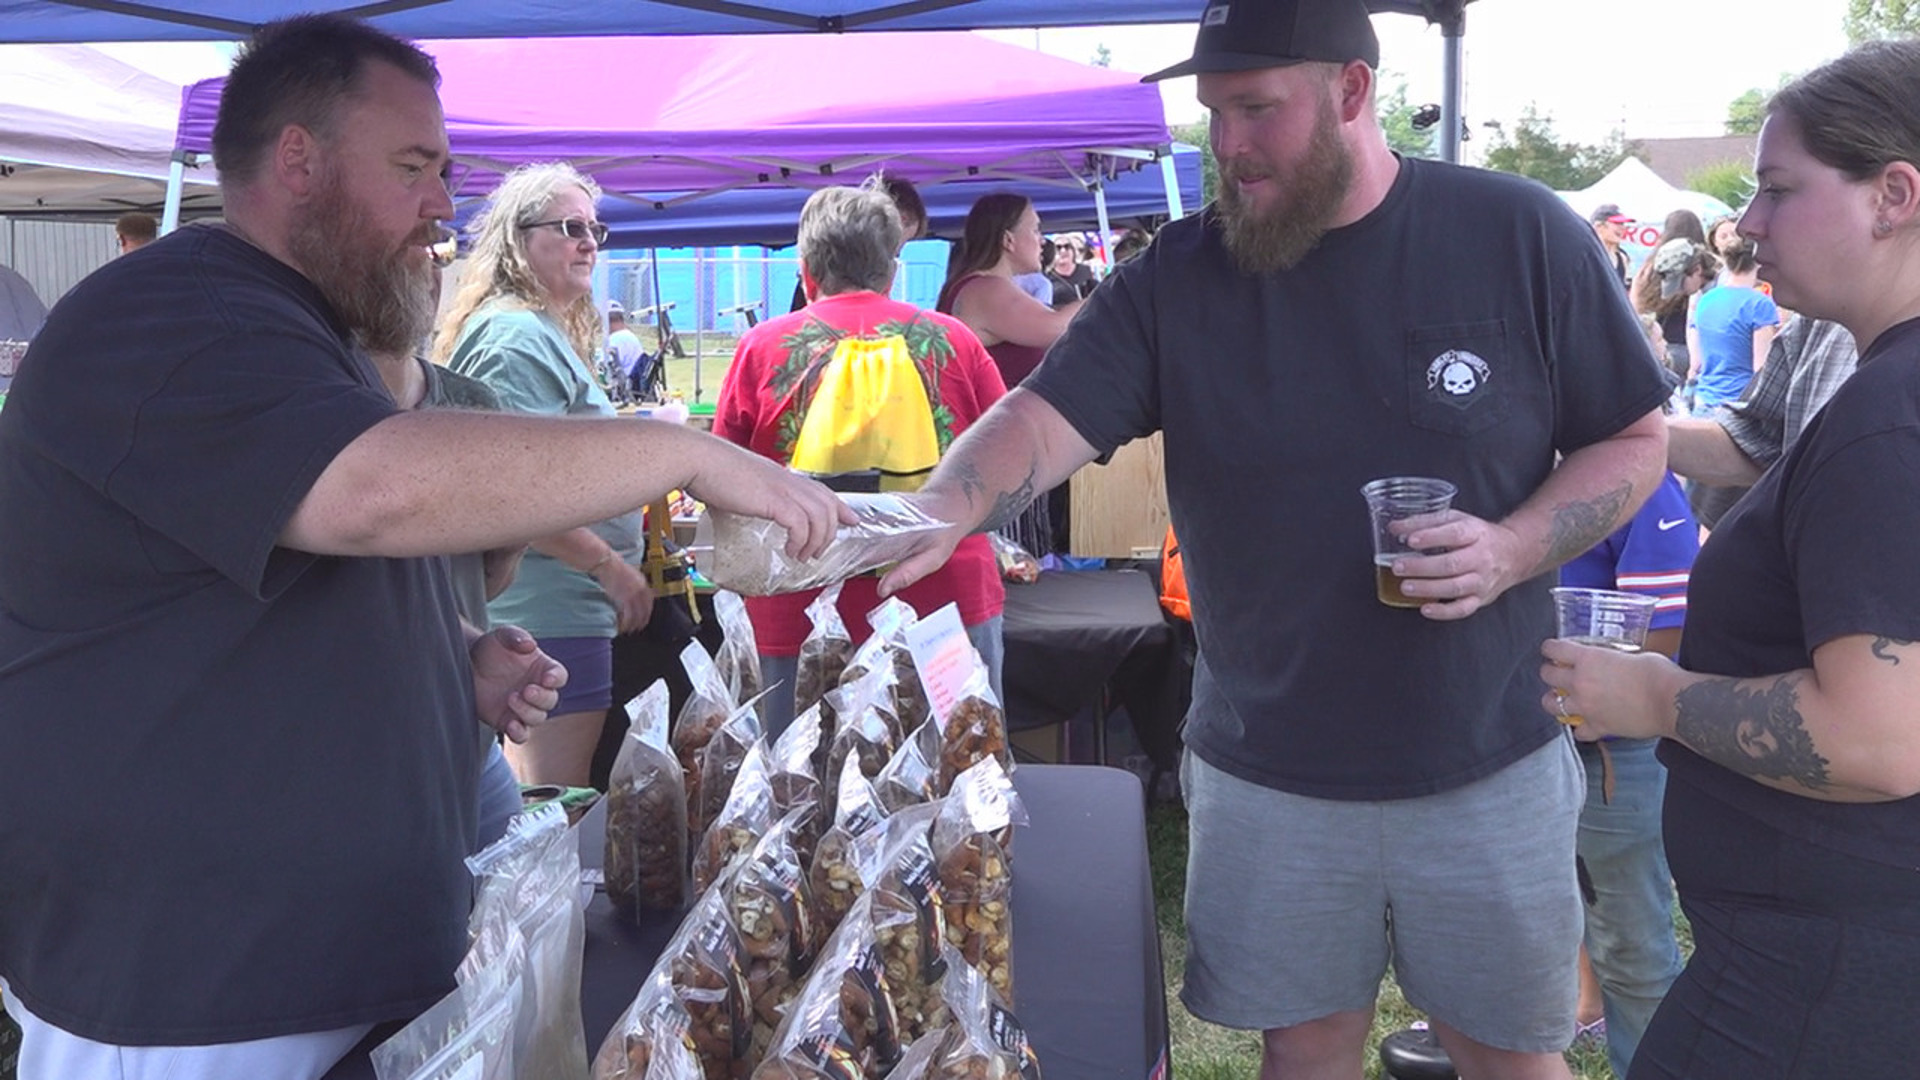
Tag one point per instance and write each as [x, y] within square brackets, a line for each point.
[1295, 906]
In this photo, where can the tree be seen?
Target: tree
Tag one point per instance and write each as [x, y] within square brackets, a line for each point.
[1196, 133]
[1869, 20]
[1396, 119]
[1532, 148]
[1745, 112]
[1102, 56]
[1729, 181]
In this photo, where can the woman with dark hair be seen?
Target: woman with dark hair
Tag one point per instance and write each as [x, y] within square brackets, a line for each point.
[1721, 231]
[1792, 814]
[1002, 240]
[1683, 224]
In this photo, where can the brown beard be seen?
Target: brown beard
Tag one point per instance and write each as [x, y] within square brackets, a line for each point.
[385, 302]
[1262, 242]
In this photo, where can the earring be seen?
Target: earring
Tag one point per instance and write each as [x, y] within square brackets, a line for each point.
[1882, 227]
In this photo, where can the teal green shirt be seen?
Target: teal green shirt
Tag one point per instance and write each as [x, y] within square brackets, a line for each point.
[525, 359]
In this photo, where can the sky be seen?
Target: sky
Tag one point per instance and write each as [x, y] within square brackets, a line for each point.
[1649, 68]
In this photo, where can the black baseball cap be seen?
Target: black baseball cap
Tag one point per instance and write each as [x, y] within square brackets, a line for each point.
[1246, 35]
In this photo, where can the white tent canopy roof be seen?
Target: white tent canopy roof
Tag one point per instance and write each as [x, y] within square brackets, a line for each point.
[1643, 196]
[82, 131]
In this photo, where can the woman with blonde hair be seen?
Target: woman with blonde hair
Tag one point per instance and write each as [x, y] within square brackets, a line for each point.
[1792, 743]
[523, 322]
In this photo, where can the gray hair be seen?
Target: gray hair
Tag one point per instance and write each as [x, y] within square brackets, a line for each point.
[497, 266]
[849, 238]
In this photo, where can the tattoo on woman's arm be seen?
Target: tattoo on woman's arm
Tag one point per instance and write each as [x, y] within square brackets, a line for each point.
[1755, 732]
[1882, 644]
[1577, 526]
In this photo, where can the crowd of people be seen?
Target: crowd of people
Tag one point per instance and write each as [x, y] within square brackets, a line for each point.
[302, 562]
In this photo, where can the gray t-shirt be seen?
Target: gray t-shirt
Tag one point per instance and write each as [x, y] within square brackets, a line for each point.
[1468, 328]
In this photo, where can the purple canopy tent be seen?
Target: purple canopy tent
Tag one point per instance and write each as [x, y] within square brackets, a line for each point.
[673, 119]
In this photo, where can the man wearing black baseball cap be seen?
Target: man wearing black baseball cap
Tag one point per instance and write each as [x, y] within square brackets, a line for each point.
[1366, 783]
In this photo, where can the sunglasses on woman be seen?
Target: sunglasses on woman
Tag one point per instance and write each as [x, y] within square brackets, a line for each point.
[574, 228]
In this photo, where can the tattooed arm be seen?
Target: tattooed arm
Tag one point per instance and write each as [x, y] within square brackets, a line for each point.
[1018, 451]
[1844, 730]
[1592, 492]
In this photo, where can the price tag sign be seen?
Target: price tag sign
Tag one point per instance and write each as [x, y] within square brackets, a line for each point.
[944, 654]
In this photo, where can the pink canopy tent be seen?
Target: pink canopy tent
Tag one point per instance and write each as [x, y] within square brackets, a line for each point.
[675, 118]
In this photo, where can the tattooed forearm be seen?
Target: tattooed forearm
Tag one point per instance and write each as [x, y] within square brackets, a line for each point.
[1007, 505]
[1882, 644]
[972, 486]
[1756, 731]
[1577, 526]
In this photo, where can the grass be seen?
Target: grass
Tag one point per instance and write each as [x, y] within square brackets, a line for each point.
[1203, 1051]
[716, 355]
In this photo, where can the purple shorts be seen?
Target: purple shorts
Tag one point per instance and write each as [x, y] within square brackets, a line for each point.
[589, 664]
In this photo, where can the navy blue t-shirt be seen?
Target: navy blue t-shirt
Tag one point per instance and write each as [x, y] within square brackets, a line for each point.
[1468, 328]
[236, 781]
[1821, 548]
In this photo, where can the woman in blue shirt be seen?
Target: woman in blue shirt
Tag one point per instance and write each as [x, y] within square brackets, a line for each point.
[1734, 323]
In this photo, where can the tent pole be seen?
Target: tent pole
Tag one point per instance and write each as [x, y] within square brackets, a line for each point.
[1171, 176]
[1106, 227]
[1453, 28]
[176, 180]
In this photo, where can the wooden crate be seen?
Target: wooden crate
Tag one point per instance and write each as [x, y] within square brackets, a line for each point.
[1120, 508]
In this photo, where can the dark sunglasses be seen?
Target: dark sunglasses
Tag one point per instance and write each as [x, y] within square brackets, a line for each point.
[574, 228]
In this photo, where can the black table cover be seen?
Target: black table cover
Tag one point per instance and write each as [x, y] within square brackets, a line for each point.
[1095, 639]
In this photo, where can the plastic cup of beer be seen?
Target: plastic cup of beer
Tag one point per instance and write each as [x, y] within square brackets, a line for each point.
[1401, 498]
[1603, 617]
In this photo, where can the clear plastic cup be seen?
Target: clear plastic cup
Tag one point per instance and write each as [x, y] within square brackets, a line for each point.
[1401, 498]
[1604, 617]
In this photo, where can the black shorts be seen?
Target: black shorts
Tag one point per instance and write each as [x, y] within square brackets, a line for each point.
[1806, 962]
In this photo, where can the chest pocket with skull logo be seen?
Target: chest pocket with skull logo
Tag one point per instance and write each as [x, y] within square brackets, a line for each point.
[1457, 376]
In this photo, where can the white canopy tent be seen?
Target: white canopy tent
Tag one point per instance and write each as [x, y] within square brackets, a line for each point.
[84, 132]
[1647, 199]
[1643, 196]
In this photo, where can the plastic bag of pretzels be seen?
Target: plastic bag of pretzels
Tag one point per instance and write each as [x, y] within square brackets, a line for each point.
[973, 729]
[887, 647]
[653, 1039]
[909, 919]
[705, 964]
[858, 830]
[646, 859]
[865, 725]
[842, 1025]
[739, 656]
[721, 759]
[823, 655]
[912, 776]
[768, 900]
[982, 1039]
[750, 554]
[707, 708]
[972, 835]
[746, 817]
[793, 774]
